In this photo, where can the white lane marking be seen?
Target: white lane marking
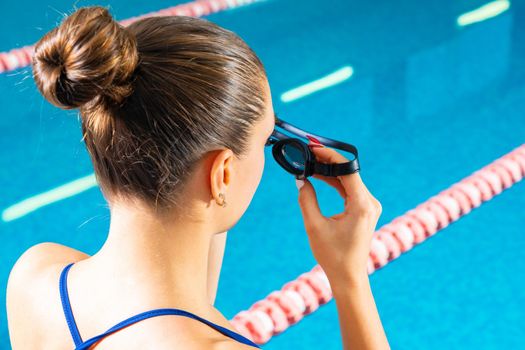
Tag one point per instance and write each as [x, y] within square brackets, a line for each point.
[330, 80]
[492, 9]
[56, 194]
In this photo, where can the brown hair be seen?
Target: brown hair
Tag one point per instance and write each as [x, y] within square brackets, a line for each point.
[153, 97]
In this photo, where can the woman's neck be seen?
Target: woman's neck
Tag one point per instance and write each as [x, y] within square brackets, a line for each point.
[163, 259]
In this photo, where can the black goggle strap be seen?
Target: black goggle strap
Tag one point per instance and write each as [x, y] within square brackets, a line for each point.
[324, 140]
[336, 169]
[277, 136]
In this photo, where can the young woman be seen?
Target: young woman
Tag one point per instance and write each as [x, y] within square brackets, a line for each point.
[175, 114]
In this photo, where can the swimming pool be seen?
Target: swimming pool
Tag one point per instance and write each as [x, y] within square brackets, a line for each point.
[430, 99]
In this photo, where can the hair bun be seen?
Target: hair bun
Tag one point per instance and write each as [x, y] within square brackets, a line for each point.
[89, 57]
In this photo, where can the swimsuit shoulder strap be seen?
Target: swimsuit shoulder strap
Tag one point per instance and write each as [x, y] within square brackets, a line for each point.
[79, 344]
[66, 306]
[166, 311]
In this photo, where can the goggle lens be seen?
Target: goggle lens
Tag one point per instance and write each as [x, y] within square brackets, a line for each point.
[294, 156]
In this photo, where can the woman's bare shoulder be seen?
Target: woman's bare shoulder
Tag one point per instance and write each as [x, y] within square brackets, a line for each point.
[37, 259]
[33, 265]
[28, 287]
[43, 254]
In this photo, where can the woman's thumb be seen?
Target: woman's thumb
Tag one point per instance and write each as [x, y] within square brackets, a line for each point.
[308, 202]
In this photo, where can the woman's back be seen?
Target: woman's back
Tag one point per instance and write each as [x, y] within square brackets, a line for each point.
[97, 305]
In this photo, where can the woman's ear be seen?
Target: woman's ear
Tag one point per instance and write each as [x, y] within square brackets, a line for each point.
[221, 172]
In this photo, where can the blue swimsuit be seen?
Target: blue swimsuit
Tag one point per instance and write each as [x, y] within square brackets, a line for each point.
[80, 344]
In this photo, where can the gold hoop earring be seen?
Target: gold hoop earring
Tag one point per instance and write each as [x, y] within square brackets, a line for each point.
[223, 204]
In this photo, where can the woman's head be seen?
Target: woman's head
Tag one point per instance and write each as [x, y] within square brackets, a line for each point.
[161, 101]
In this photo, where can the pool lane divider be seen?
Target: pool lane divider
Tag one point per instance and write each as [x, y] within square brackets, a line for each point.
[21, 57]
[302, 296]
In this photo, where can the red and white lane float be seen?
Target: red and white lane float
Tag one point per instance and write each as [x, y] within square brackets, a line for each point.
[302, 296]
[21, 57]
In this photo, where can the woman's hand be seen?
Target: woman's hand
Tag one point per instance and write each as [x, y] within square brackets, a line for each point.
[340, 243]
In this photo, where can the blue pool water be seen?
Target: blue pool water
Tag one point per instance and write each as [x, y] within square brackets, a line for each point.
[429, 103]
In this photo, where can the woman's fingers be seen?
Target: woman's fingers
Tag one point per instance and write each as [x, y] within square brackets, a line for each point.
[352, 184]
[312, 216]
[328, 155]
[332, 181]
[337, 216]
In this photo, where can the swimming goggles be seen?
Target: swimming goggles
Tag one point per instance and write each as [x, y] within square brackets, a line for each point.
[295, 156]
